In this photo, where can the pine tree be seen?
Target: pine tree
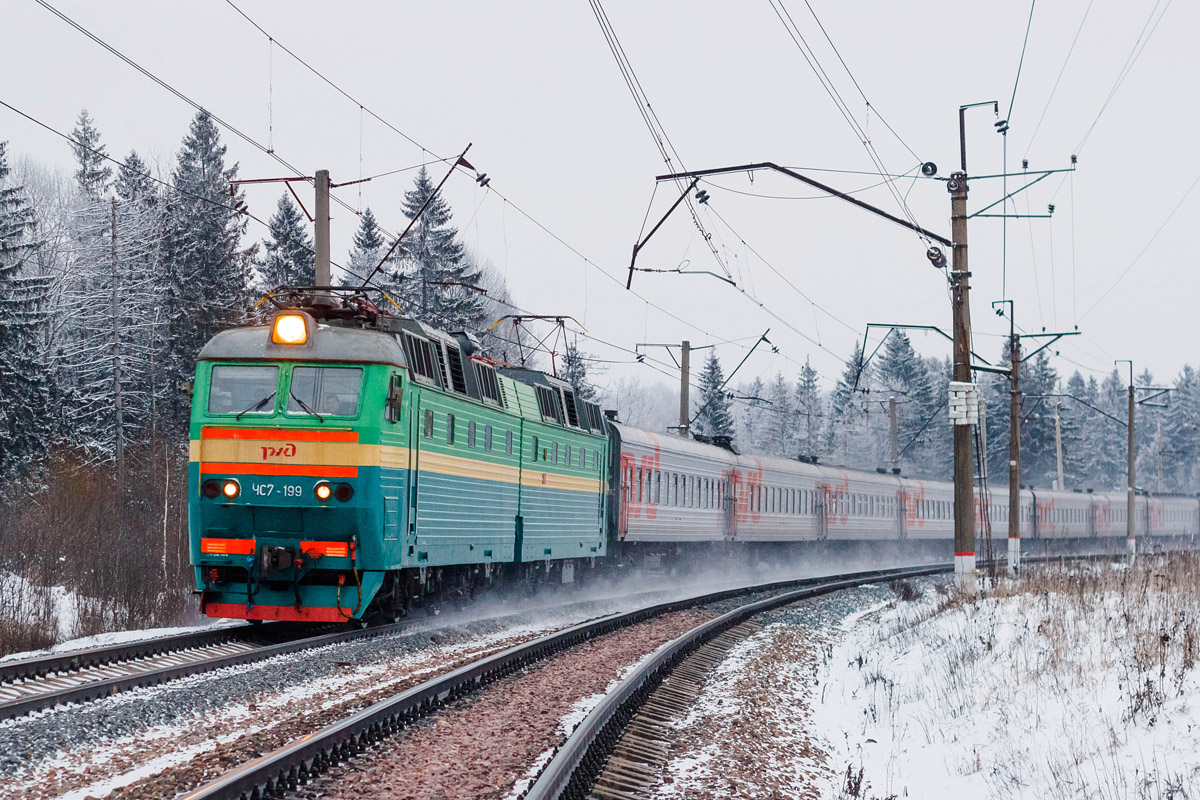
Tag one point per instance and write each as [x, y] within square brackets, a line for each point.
[94, 173]
[206, 269]
[288, 257]
[369, 247]
[575, 372]
[810, 409]
[25, 392]
[713, 416]
[432, 273]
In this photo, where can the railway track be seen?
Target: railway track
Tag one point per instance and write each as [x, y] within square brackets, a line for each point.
[616, 749]
[299, 762]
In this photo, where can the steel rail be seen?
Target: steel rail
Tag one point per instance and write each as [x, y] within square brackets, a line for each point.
[575, 766]
[107, 686]
[294, 764]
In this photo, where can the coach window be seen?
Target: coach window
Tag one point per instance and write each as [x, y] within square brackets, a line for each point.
[639, 484]
[449, 429]
[428, 423]
[535, 448]
[657, 487]
[487, 437]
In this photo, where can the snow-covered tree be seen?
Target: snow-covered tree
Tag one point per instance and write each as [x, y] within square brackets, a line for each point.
[750, 414]
[903, 375]
[781, 413]
[575, 372]
[810, 409]
[94, 173]
[25, 393]
[430, 271]
[287, 257]
[369, 247]
[713, 415]
[206, 268]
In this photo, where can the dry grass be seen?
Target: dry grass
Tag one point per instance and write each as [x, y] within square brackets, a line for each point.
[118, 547]
[1083, 659]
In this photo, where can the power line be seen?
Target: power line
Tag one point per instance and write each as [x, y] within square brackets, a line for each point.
[854, 80]
[1021, 63]
[1144, 249]
[1057, 80]
[843, 108]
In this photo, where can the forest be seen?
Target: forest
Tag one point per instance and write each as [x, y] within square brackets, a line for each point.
[114, 274]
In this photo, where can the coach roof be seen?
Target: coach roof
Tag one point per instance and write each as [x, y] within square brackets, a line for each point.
[327, 343]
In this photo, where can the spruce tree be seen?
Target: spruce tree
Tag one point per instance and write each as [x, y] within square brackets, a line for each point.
[752, 432]
[713, 416]
[94, 173]
[288, 257]
[810, 409]
[206, 269]
[575, 372]
[434, 275]
[904, 375]
[782, 416]
[25, 392]
[369, 247]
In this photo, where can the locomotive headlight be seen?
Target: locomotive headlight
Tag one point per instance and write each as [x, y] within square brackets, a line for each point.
[230, 489]
[289, 329]
[323, 491]
[211, 489]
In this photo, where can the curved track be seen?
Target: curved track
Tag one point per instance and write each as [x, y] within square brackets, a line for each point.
[291, 766]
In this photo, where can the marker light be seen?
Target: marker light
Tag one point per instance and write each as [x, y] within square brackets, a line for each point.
[323, 491]
[344, 492]
[231, 489]
[211, 489]
[289, 329]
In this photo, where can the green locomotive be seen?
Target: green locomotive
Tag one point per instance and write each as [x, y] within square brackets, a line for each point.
[344, 462]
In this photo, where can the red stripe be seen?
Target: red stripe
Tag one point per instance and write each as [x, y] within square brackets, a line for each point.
[279, 435]
[313, 470]
[305, 614]
[964, 554]
[226, 546]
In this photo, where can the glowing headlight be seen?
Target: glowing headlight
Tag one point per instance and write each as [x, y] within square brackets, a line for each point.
[230, 489]
[323, 491]
[289, 329]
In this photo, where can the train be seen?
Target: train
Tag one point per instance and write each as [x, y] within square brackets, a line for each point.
[346, 463]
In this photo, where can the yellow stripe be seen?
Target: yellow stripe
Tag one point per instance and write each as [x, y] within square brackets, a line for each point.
[553, 480]
[459, 467]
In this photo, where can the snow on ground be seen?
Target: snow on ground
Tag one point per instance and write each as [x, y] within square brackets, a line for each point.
[1074, 685]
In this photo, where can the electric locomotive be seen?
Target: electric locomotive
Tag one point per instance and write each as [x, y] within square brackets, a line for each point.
[344, 463]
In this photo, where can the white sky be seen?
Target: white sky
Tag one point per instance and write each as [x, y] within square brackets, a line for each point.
[535, 88]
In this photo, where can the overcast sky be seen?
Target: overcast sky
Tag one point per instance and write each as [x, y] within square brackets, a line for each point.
[537, 91]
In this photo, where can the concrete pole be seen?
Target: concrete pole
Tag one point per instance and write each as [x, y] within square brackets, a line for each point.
[1014, 456]
[964, 467]
[685, 410]
[321, 230]
[892, 426]
[1058, 445]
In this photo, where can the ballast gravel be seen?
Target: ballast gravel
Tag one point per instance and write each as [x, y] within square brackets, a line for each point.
[481, 746]
[155, 741]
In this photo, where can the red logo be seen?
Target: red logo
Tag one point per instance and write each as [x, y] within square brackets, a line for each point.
[282, 451]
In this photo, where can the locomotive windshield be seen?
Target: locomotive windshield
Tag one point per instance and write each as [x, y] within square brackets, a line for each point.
[325, 390]
[242, 389]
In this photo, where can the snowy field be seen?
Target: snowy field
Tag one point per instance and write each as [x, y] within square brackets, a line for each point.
[1072, 683]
